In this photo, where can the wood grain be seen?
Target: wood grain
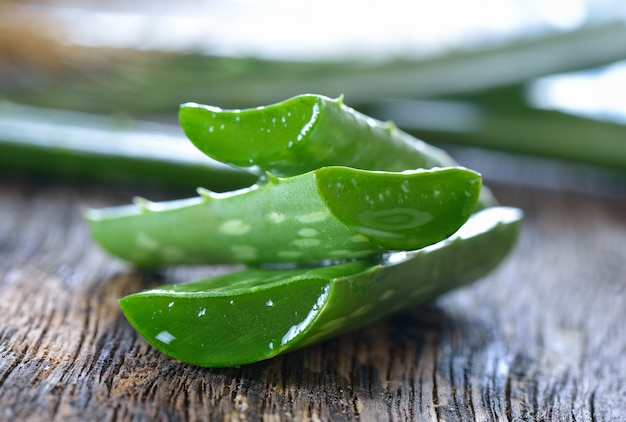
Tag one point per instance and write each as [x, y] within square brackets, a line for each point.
[542, 338]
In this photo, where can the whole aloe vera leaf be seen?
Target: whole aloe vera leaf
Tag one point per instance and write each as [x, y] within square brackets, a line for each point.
[55, 143]
[332, 213]
[307, 132]
[256, 314]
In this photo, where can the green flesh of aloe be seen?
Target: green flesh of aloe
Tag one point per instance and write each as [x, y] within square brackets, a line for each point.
[256, 314]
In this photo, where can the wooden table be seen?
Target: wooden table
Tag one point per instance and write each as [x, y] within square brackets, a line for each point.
[541, 338]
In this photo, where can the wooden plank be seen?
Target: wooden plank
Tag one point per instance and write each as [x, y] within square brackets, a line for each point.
[542, 338]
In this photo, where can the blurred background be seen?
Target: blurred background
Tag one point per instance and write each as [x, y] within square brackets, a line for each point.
[525, 91]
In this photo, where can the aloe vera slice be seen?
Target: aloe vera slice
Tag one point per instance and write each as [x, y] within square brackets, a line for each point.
[307, 132]
[333, 213]
[304, 133]
[256, 314]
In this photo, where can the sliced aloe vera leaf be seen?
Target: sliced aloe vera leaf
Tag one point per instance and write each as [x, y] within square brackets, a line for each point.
[304, 133]
[256, 314]
[293, 220]
[398, 210]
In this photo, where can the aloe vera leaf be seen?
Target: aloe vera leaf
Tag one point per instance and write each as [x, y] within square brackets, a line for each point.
[303, 133]
[78, 145]
[543, 133]
[149, 81]
[256, 314]
[331, 213]
[503, 119]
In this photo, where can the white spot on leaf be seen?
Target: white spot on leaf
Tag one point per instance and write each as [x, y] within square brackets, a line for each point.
[234, 227]
[359, 238]
[276, 217]
[313, 217]
[308, 232]
[306, 242]
[144, 241]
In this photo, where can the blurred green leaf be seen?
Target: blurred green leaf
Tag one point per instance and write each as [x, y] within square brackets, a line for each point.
[144, 81]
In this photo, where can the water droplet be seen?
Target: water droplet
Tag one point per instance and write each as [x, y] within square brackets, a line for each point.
[165, 337]
[392, 258]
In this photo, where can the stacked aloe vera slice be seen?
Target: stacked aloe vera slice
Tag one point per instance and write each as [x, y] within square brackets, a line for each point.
[351, 220]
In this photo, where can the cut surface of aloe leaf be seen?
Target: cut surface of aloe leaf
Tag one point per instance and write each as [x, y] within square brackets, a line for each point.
[396, 210]
[334, 213]
[255, 314]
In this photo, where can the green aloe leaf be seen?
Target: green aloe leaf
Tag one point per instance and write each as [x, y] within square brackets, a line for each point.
[332, 213]
[86, 147]
[304, 133]
[256, 314]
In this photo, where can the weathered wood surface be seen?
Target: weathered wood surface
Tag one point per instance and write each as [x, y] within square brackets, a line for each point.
[542, 338]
